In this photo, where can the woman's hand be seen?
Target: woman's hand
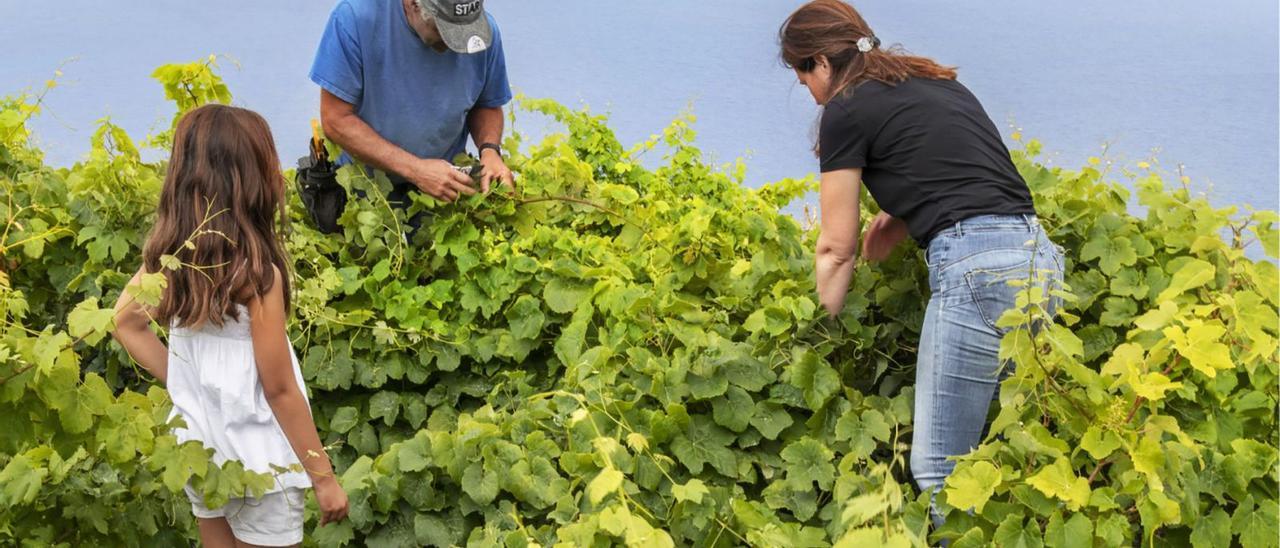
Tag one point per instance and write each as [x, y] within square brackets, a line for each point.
[883, 234]
[331, 499]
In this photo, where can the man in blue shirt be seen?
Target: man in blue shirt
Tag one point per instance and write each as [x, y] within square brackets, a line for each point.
[403, 82]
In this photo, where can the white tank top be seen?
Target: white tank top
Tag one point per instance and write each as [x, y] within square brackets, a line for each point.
[215, 388]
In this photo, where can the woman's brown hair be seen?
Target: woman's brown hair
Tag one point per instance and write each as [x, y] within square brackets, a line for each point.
[832, 28]
[221, 205]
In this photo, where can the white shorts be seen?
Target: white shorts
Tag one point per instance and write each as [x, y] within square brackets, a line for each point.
[273, 520]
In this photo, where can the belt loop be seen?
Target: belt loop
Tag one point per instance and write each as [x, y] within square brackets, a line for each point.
[1026, 218]
[959, 229]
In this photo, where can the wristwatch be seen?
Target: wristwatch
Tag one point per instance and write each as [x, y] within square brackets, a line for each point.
[493, 146]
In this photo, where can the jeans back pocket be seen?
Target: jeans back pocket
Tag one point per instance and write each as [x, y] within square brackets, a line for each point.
[991, 287]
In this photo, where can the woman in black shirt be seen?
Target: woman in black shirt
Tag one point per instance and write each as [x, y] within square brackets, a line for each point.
[934, 162]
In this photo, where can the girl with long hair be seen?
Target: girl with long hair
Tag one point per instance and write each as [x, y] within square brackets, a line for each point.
[933, 161]
[229, 367]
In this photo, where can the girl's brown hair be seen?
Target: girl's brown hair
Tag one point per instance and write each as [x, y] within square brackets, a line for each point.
[832, 28]
[222, 199]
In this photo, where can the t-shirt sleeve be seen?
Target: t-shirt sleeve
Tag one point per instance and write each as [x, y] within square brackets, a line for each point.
[842, 141]
[338, 67]
[497, 90]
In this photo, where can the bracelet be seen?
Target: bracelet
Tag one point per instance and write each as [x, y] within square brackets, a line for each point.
[493, 146]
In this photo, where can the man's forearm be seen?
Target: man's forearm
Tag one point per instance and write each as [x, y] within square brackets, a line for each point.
[485, 125]
[360, 140]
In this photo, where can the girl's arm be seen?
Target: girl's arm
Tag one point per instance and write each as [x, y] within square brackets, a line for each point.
[272, 354]
[838, 241]
[133, 332]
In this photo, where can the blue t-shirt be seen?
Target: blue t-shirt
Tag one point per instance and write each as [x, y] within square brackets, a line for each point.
[412, 95]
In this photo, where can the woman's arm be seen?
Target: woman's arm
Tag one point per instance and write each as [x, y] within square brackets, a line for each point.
[133, 332]
[838, 240]
[274, 359]
[883, 234]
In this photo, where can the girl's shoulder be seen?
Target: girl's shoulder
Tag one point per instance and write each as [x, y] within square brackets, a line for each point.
[234, 326]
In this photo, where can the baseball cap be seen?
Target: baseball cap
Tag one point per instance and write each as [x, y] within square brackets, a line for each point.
[462, 23]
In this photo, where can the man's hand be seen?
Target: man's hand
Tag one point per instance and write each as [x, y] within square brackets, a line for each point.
[438, 179]
[494, 170]
[883, 234]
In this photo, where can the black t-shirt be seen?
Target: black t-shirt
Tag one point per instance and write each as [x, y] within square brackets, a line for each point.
[930, 154]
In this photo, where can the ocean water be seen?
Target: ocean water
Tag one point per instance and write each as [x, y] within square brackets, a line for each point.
[1193, 85]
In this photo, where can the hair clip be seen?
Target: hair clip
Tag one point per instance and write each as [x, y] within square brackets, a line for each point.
[868, 43]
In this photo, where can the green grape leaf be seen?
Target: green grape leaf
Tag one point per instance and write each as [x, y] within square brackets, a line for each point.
[971, 486]
[386, 406]
[91, 399]
[430, 530]
[525, 317]
[21, 479]
[811, 374]
[705, 443]
[734, 410]
[1256, 525]
[564, 296]
[1192, 274]
[1148, 457]
[809, 462]
[1129, 283]
[344, 419]
[1112, 253]
[1157, 318]
[770, 419]
[1059, 481]
[1200, 345]
[973, 538]
[479, 483]
[1099, 443]
[1212, 530]
[691, 491]
[1074, 532]
[89, 322]
[606, 482]
[1012, 533]
[415, 453]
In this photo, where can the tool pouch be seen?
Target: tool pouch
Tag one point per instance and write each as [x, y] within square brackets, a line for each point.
[317, 182]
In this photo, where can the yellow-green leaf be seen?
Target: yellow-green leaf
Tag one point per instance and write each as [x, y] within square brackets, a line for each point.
[1194, 273]
[1058, 480]
[1201, 347]
[972, 486]
[607, 481]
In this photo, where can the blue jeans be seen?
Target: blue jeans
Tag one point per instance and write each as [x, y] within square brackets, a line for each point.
[970, 265]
